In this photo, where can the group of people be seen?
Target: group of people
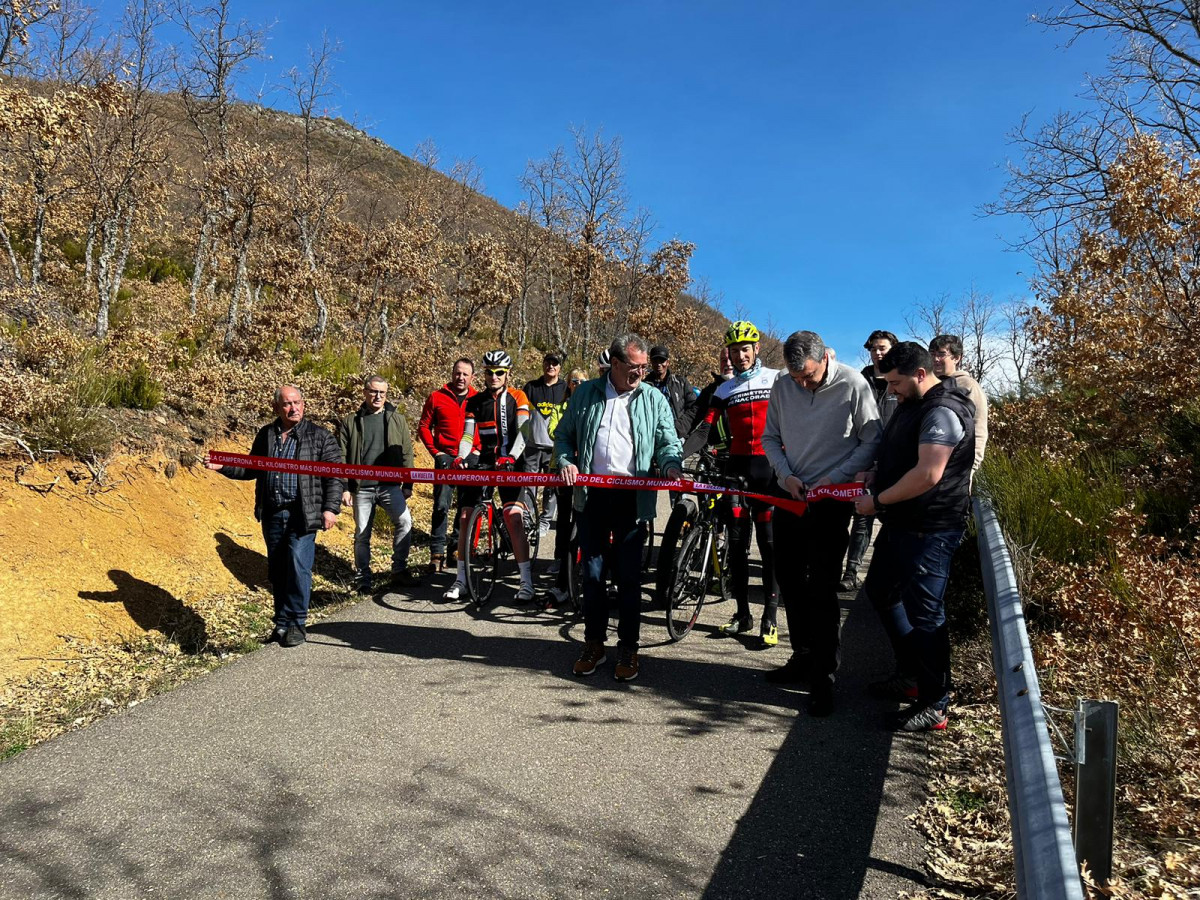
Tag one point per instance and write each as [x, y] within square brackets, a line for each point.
[910, 425]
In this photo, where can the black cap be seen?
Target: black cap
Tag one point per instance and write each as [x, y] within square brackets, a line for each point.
[552, 357]
[658, 351]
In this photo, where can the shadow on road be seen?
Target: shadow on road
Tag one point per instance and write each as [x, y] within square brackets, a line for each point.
[154, 609]
[810, 826]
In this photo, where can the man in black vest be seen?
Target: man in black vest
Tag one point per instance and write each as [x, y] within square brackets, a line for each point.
[921, 494]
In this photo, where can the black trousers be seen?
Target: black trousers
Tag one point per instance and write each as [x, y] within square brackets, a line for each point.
[808, 566]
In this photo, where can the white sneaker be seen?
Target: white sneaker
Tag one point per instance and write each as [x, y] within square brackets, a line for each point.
[526, 593]
[455, 591]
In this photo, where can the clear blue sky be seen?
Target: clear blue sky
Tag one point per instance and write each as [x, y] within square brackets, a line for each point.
[829, 167]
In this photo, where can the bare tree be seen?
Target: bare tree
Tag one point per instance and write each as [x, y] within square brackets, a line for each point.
[595, 193]
[544, 181]
[1151, 84]
[16, 18]
[1018, 341]
[634, 245]
[218, 50]
[318, 191]
[124, 155]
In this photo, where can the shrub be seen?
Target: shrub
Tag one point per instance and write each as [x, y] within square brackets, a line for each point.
[73, 421]
[135, 389]
[337, 365]
[1058, 509]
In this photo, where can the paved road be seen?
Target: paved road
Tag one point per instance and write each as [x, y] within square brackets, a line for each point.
[413, 750]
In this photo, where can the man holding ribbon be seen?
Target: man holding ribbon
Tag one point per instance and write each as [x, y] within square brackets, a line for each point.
[615, 425]
[822, 428]
[921, 493]
[292, 507]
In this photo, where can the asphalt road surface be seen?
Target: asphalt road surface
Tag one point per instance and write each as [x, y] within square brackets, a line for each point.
[411, 749]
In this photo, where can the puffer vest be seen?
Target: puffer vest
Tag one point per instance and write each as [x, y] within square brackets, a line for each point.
[944, 506]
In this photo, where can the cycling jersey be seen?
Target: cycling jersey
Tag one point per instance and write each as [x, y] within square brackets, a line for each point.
[496, 422]
[743, 400]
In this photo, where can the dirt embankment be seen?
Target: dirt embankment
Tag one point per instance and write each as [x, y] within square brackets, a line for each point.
[105, 561]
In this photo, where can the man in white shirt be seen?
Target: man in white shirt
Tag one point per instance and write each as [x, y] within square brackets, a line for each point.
[615, 425]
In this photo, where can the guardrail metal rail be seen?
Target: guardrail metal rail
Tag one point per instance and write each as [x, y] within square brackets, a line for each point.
[1044, 853]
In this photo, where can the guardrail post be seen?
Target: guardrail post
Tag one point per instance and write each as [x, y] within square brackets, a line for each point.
[1095, 785]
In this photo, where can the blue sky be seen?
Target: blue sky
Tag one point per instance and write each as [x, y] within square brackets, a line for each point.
[829, 167]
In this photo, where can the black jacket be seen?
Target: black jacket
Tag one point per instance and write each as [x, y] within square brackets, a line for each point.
[682, 399]
[317, 495]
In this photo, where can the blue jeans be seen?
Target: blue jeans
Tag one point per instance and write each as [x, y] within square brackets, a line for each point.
[391, 498]
[443, 499]
[291, 548]
[906, 584]
[608, 528]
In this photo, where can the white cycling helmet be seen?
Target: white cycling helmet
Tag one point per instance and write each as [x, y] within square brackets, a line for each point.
[497, 359]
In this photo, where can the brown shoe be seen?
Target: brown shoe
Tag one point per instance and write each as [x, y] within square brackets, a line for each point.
[591, 657]
[436, 561]
[627, 665]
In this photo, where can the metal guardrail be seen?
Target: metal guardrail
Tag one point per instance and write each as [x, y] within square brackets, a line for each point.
[1042, 847]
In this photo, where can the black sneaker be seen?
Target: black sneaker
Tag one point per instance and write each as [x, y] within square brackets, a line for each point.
[276, 636]
[406, 578]
[898, 687]
[362, 588]
[295, 636]
[792, 672]
[820, 701]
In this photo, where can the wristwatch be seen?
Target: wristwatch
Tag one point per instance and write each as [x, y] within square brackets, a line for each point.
[880, 506]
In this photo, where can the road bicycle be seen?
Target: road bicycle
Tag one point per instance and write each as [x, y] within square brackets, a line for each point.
[490, 556]
[686, 577]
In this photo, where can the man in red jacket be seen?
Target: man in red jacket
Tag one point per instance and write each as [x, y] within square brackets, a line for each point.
[440, 429]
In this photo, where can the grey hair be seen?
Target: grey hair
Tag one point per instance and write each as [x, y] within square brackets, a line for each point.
[619, 348]
[375, 379]
[801, 347]
[279, 393]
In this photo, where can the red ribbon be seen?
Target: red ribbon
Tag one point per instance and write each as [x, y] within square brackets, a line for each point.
[485, 477]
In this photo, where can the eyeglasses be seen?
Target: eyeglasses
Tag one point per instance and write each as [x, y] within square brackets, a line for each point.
[643, 368]
[496, 372]
[376, 393]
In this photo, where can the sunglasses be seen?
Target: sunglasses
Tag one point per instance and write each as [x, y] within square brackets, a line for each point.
[496, 372]
[576, 381]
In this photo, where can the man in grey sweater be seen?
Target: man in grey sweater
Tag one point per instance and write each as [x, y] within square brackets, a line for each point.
[822, 428]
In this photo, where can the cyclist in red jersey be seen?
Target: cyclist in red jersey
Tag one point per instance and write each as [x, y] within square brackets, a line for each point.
[493, 420]
[742, 400]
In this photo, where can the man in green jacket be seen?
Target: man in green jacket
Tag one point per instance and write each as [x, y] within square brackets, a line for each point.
[615, 425]
[377, 435]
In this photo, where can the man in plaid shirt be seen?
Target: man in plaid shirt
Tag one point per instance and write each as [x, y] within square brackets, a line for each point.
[291, 508]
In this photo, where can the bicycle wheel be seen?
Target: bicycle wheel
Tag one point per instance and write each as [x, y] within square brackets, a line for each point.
[683, 515]
[724, 578]
[692, 572]
[483, 545]
[533, 531]
[575, 569]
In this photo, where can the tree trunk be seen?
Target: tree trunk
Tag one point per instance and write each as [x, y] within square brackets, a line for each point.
[12, 254]
[89, 249]
[40, 202]
[200, 259]
[123, 257]
[104, 291]
[322, 307]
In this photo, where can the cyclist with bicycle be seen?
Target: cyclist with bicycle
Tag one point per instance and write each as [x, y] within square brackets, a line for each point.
[742, 401]
[493, 420]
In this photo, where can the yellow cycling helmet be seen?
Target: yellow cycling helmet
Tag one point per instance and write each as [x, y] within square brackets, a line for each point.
[741, 333]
